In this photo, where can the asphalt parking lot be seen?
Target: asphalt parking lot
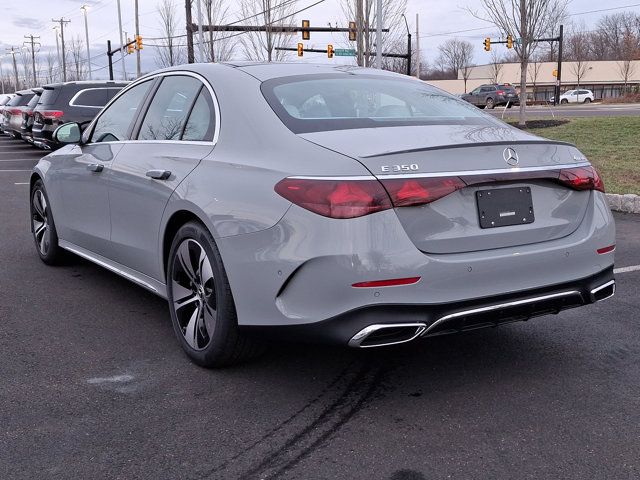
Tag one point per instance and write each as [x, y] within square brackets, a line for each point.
[94, 385]
[571, 110]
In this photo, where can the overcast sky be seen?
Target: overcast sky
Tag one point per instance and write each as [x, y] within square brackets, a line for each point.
[439, 20]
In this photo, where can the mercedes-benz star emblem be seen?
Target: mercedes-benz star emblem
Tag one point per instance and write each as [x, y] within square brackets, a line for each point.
[510, 156]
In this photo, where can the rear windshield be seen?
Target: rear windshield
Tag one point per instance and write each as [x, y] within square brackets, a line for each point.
[49, 96]
[5, 100]
[34, 101]
[15, 101]
[21, 100]
[312, 103]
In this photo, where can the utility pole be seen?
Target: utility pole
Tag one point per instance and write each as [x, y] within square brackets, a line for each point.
[55, 27]
[15, 67]
[379, 34]
[84, 9]
[138, 70]
[189, 20]
[200, 37]
[360, 38]
[33, 43]
[556, 97]
[417, 46]
[62, 22]
[122, 42]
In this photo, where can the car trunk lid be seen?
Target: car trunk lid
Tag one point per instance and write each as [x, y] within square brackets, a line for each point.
[484, 158]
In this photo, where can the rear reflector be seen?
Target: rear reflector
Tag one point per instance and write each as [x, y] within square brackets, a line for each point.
[395, 282]
[602, 251]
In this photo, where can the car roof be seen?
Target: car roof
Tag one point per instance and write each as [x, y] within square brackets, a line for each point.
[89, 83]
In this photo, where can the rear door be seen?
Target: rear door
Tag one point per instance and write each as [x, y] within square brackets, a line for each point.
[81, 174]
[174, 134]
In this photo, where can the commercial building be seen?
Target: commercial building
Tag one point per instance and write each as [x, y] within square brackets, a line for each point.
[605, 78]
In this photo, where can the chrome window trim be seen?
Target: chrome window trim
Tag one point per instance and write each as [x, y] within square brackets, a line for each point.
[498, 306]
[75, 97]
[203, 80]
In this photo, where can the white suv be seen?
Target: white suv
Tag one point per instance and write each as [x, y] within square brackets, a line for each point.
[576, 96]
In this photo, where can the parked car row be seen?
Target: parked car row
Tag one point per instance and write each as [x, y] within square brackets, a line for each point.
[34, 114]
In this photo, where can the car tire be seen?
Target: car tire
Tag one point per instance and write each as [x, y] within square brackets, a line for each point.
[490, 103]
[43, 227]
[564, 101]
[587, 100]
[203, 312]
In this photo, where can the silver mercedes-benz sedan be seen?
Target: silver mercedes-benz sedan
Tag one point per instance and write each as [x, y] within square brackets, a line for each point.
[321, 203]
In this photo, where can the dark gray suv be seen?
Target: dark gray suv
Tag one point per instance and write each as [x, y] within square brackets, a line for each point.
[69, 102]
[490, 96]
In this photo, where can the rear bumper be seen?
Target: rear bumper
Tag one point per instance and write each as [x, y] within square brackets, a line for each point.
[380, 325]
[42, 138]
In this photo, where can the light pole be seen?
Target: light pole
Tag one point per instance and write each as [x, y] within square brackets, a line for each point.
[122, 42]
[408, 46]
[379, 34]
[84, 9]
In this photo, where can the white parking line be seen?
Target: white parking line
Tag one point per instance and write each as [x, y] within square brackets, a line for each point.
[21, 183]
[632, 268]
[21, 160]
[1, 170]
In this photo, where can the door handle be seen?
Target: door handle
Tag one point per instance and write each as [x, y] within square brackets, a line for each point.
[159, 174]
[95, 167]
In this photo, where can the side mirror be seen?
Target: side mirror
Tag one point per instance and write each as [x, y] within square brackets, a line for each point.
[68, 133]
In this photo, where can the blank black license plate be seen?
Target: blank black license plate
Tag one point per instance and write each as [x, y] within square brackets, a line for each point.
[502, 207]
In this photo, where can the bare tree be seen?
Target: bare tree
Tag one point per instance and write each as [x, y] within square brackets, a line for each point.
[629, 51]
[169, 52]
[393, 41]
[269, 13]
[617, 29]
[526, 20]
[25, 60]
[221, 44]
[495, 67]
[534, 71]
[456, 56]
[578, 51]
[51, 67]
[76, 52]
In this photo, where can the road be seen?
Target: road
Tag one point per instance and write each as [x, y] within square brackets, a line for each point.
[94, 385]
[564, 111]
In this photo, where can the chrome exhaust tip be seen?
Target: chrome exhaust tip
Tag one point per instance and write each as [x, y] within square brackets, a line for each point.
[385, 334]
[604, 291]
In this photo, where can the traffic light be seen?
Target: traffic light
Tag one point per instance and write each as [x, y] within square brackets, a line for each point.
[300, 49]
[555, 73]
[129, 47]
[353, 31]
[139, 42]
[306, 34]
[330, 51]
[487, 44]
[509, 41]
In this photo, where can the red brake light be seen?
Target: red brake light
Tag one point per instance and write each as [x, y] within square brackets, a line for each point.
[582, 178]
[51, 113]
[602, 251]
[500, 92]
[15, 111]
[420, 191]
[335, 198]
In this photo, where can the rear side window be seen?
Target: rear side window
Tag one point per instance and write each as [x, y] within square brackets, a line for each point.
[202, 120]
[165, 119]
[113, 125]
[49, 96]
[91, 97]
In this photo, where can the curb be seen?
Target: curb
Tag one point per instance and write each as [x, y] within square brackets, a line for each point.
[628, 203]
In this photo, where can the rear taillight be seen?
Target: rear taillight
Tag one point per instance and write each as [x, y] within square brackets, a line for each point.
[500, 92]
[15, 111]
[51, 113]
[335, 198]
[581, 178]
[420, 191]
